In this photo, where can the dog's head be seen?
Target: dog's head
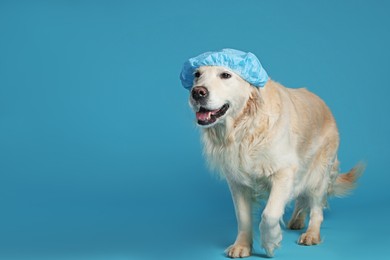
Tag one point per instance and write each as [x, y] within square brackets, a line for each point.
[217, 94]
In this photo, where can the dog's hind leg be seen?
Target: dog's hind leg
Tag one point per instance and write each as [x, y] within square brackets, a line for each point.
[312, 235]
[297, 220]
[320, 176]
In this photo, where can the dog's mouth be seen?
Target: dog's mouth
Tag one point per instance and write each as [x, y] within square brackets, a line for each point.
[207, 117]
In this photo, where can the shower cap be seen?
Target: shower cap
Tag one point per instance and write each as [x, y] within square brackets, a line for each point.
[244, 64]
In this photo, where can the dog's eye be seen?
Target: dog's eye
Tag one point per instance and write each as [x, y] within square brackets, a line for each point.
[197, 74]
[225, 75]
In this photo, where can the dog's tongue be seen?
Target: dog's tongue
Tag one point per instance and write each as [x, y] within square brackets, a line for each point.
[203, 116]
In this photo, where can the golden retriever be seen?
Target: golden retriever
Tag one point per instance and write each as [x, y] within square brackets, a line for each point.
[274, 143]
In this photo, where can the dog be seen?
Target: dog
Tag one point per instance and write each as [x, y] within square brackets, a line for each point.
[273, 143]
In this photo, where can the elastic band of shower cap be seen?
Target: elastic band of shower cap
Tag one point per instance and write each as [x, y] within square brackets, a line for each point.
[244, 64]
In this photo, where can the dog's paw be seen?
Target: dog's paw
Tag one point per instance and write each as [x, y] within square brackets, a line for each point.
[238, 250]
[271, 235]
[296, 224]
[309, 238]
[270, 248]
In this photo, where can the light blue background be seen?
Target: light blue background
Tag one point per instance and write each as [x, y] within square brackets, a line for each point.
[99, 154]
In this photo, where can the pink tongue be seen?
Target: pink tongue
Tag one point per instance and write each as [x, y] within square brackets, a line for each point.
[203, 116]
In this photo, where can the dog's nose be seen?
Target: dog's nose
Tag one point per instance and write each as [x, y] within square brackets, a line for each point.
[199, 93]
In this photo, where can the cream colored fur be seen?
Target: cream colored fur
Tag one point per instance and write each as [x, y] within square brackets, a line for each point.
[275, 143]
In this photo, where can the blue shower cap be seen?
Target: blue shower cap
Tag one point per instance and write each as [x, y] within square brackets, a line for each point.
[244, 64]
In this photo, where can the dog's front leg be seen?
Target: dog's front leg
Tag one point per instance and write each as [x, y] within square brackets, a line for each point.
[270, 231]
[242, 198]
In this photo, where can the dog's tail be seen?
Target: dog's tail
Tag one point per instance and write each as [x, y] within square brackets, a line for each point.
[346, 182]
